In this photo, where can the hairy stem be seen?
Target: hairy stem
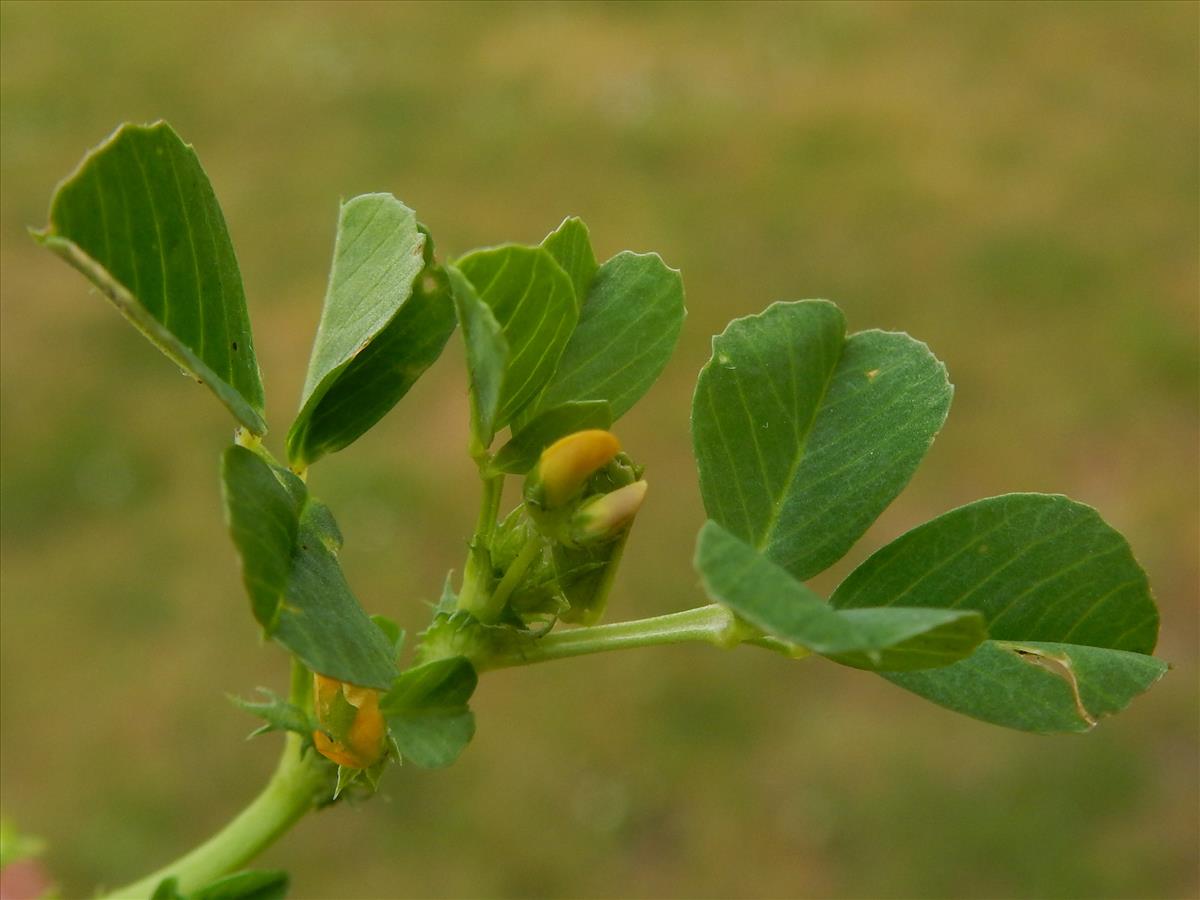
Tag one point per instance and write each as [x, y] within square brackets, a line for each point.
[711, 624]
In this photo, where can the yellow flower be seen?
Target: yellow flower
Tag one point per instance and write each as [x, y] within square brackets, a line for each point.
[603, 518]
[352, 729]
[567, 464]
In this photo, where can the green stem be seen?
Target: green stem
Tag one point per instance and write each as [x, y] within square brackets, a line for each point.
[531, 549]
[712, 624]
[475, 596]
[298, 785]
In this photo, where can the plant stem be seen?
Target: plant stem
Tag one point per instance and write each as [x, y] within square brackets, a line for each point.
[299, 783]
[529, 552]
[475, 596]
[711, 624]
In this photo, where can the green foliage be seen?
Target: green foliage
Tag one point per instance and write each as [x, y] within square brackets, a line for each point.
[571, 246]
[386, 318]
[1024, 610]
[139, 219]
[427, 714]
[768, 597]
[288, 543]
[1054, 582]
[532, 303]
[630, 319]
[804, 436]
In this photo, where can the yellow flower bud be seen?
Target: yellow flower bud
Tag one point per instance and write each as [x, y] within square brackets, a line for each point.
[567, 464]
[603, 518]
[352, 729]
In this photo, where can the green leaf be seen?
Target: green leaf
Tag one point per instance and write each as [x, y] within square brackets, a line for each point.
[288, 542]
[427, 714]
[1037, 686]
[386, 318]
[769, 598]
[1038, 567]
[139, 219]
[533, 302]
[520, 454]
[571, 247]
[627, 331]
[803, 436]
[249, 885]
[1045, 572]
[487, 356]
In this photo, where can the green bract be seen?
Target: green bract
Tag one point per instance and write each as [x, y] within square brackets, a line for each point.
[1025, 610]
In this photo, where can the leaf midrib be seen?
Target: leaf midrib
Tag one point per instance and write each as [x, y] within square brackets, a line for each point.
[778, 502]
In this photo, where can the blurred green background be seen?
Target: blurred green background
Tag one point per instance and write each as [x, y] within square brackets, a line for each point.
[1014, 184]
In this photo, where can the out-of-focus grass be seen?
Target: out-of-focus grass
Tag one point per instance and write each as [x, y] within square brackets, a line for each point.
[1015, 184]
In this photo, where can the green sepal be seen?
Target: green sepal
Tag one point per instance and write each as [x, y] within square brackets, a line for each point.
[277, 714]
[448, 601]
[585, 577]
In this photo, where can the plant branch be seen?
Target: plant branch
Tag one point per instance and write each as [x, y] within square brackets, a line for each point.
[297, 786]
[475, 596]
[300, 783]
[711, 624]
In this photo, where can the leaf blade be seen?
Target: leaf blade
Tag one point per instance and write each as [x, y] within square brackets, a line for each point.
[1039, 567]
[1069, 610]
[1029, 696]
[533, 302]
[571, 246]
[803, 436]
[769, 598]
[427, 712]
[366, 388]
[287, 542]
[627, 331]
[379, 254]
[487, 355]
[139, 219]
